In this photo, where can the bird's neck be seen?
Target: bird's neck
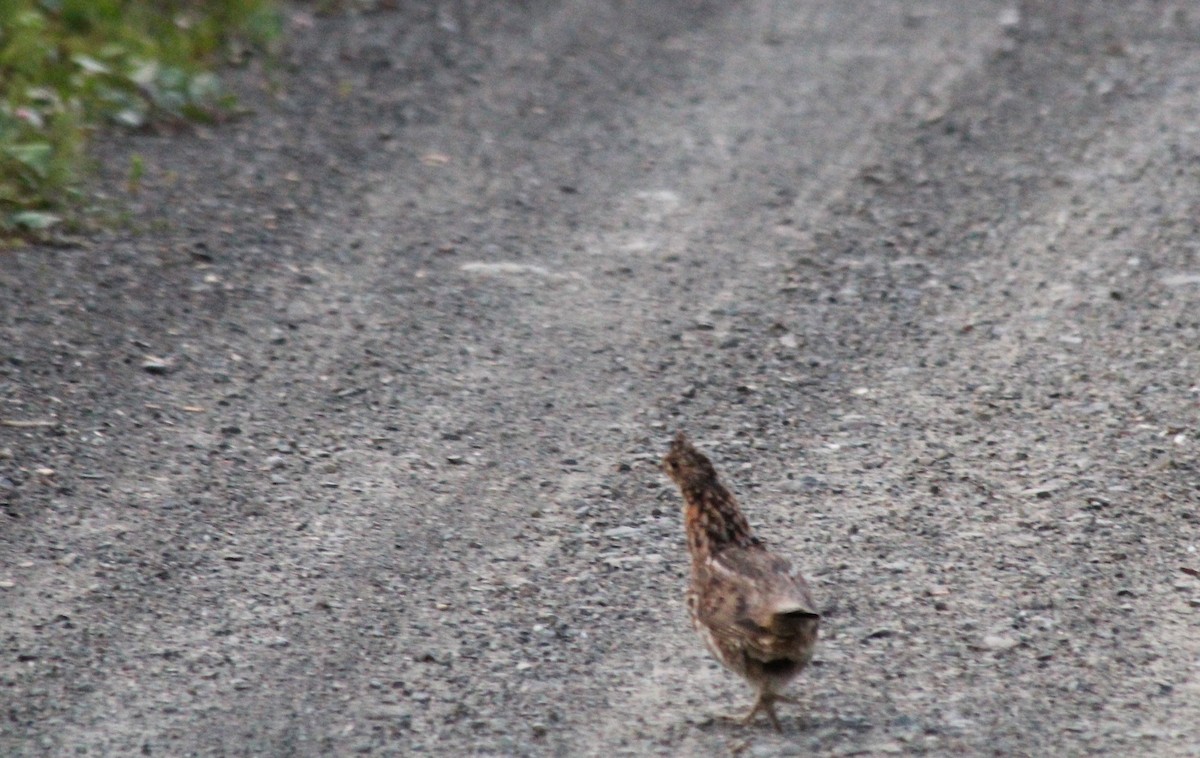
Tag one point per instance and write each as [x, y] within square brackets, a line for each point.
[714, 520]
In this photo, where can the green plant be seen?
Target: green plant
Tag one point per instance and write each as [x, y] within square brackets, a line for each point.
[67, 66]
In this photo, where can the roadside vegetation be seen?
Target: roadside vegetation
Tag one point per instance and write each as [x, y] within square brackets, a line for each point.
[69, 67]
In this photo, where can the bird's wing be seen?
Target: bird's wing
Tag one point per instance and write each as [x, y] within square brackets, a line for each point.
[767, 578]
[755, 597]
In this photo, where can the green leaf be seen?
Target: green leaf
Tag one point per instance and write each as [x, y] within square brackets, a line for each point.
[265, 24]
[43, 95]
[90, 64]
[34, 155]
[204, 87]
[33, 220]
[130, 117]
[143, 73]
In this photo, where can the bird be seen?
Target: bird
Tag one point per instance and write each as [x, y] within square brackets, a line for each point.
[754, 611]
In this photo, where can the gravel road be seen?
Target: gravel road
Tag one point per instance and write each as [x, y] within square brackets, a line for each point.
[345, 440]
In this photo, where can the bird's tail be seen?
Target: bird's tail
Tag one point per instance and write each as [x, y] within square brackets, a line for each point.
[792, 619]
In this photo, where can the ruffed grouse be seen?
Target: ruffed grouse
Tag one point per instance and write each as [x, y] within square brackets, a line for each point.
[754, 611]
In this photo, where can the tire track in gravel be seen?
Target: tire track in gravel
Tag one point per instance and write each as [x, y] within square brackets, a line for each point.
[557, 332]
[1045, 508]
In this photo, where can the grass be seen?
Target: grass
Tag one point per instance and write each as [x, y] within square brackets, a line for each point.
[69, 66]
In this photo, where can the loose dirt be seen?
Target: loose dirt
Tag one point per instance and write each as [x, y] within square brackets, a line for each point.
[349, 443]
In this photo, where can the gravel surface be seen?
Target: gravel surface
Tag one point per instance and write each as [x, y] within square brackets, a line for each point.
[348, 444]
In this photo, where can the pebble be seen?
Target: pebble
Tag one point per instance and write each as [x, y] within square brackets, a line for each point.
[1023, 540]
[1044, 489]
[1181, 280]
[158, 366]
[999, 642]
[386, 711]
[621, 531]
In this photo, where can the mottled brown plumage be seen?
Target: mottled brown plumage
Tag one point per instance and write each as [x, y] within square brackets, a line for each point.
[754, 611]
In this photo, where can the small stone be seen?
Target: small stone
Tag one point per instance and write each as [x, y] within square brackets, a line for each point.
[388, 712]
[1023, 540]
[157, 366]
[620, 531]
[999, 642]
[1045, 489]
[885, 748]
[1181, 280]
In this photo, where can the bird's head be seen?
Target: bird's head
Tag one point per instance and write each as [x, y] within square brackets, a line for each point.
[686, 465]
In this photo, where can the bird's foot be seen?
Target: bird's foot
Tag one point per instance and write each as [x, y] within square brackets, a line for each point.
[766, 704]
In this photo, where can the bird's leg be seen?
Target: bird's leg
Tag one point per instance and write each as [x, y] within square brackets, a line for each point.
[766, 704]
